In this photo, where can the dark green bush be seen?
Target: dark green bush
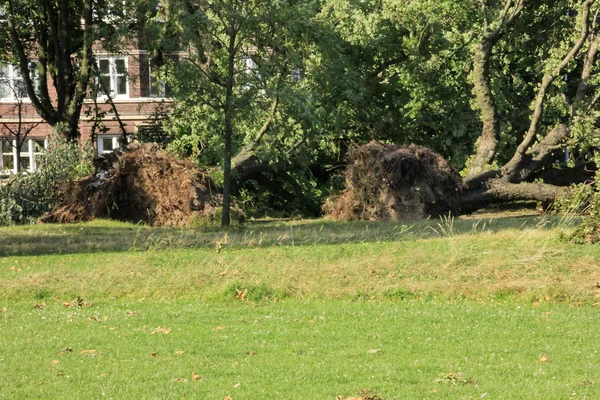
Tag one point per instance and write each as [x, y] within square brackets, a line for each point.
[25, 197]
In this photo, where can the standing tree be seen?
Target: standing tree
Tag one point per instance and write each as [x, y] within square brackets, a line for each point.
[58, 35]
[231, 80]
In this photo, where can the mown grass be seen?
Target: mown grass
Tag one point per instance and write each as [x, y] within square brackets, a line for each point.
[501, 308]
[299, 350]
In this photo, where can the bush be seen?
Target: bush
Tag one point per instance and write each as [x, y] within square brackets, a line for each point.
[27, 196]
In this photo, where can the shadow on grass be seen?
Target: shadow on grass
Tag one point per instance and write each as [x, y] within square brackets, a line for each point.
[110, 236]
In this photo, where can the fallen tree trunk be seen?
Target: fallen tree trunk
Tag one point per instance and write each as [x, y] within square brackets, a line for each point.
[500, 191]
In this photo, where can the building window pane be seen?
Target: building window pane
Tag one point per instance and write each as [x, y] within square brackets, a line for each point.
[121, 85]
[12, 85]
[104, 67]
[25, 162]
[113, 76]
[107, 144]
[40, 145]
[120, 66]
[8, 162]
[6, 146]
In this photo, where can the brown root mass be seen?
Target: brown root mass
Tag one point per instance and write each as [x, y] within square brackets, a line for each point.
[140, 184]
[388, 182]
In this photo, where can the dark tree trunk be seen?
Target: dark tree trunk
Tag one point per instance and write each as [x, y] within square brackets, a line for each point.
[500, 191]
[226, 218]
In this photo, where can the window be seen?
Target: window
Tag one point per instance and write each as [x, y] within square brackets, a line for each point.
[108, 143]
[12, 86]
[8, 156]
[113, 76]
[31, 150]
[151, 84]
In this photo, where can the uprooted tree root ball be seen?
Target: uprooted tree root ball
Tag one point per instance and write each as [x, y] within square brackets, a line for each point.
[388, 182]
[140, 184]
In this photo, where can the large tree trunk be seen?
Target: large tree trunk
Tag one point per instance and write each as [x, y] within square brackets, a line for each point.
[500, 191]
[482, 87]
[534, 153]
[488, 143]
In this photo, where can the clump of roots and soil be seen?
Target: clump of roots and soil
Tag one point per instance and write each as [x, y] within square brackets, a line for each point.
[139, 184]
[388, 182]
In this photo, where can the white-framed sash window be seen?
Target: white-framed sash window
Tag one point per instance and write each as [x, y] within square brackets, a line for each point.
[12, 85]
[107, 143]
[113, 76]
[31, 150]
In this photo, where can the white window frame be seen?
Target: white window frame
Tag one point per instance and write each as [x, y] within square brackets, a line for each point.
[113, 76]
[30, 153]
[100, 143]
[12, 73]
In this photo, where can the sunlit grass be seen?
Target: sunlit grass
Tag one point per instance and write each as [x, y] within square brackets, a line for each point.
[299, 350]
[495, 308]
[313, 260]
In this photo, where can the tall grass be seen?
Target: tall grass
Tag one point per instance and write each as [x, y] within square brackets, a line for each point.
[450, 258]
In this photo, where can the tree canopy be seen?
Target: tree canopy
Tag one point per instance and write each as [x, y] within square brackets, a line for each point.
[270, 94]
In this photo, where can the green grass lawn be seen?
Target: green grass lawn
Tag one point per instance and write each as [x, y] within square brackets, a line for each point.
[300, 310]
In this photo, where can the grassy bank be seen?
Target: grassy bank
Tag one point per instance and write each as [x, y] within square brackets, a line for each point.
[497, 308]
[521, 259]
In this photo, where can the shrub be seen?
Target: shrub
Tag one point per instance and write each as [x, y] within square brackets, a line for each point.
[27, 196]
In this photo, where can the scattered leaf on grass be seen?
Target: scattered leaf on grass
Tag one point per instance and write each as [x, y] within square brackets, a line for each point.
[179, 352]
[237, 385]
[4, 309]
[54, 362]
[228, 398]
[543, 359]
[455, 379]
[373, 351]
[164, 331]
[219, 328]
[130, 313]
[195, 376]
[67, 350]
[241, 294]
[155, 354]
[112, 328]
[362, 397]
[39, 306]
[91, 353]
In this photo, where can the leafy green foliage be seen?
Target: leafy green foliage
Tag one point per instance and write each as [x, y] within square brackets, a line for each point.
[26, 197]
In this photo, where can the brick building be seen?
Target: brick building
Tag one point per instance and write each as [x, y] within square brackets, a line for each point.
[134, 91]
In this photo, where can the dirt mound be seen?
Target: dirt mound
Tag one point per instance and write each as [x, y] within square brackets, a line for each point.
[140, 184]
[388, 182]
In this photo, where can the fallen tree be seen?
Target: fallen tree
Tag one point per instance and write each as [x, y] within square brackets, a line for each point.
[139, 184]
[388, 182]
[547, 136]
